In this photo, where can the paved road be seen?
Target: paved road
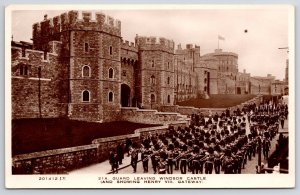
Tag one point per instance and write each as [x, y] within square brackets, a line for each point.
[125, 168]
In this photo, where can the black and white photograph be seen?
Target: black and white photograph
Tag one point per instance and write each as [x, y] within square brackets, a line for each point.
[150, 96]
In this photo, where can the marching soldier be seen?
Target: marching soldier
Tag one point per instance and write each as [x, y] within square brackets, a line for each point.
[155, 158]
[266, 147]
[170, 154]
[134, 156]
[227, 162]
[146, 154]
[176, 155]
[217, 159]
[194, 159]
[183, 159]
[209, 161]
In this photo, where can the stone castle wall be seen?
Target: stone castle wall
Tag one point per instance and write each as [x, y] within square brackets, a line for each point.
[156, 71]
[38, 87]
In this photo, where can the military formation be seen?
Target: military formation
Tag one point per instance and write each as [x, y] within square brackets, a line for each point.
[215, 144]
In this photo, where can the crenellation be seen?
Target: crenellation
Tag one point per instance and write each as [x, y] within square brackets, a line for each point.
[110, 20]
[100, 18]
[56, 25]
[73, 17]
[86, 16]
[64, 21]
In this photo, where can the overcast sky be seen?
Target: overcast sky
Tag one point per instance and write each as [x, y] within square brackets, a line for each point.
[267, 30]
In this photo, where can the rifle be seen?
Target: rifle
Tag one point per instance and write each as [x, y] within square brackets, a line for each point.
[149, 156]
[180, 155]
[196, 156]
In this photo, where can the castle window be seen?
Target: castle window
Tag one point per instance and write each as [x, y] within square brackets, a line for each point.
[205, 80]
[110, 96]
[227, 68]
[168, 80]
[152, 98]
[124, 73]
[152, 63]
[86, 71]
[85, 96]
[86, 47]
[23, 70]
[168, 65]
[152, 80]
[39, 72]
[110, 50]
[169, 99]
[111, 73]
[45, 55]
[205, 88]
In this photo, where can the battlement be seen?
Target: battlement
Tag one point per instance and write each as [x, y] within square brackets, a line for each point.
[153, 42]
[189, 47]
[26, 53]
[72, 20]
[129, 46]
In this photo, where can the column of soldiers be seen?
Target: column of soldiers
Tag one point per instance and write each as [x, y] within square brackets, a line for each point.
[216, 144]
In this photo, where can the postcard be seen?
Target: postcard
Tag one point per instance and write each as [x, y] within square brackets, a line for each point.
[150, 96]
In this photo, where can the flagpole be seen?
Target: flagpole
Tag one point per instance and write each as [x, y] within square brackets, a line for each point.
[218, 42]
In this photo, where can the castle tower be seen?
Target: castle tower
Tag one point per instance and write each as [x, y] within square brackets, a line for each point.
[186, 63]
[90, 61]
[156, 71]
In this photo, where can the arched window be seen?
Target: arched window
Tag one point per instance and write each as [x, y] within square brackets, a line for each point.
[111, 73]
[169, 99]
[85, 96]
[86, 71]
[168, 80]
[205, 88]
[152, 63]
[110, 96]
[205, 80]
[168, 65]
[152, 80]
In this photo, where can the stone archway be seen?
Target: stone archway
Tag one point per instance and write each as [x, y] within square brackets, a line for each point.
[125, 95]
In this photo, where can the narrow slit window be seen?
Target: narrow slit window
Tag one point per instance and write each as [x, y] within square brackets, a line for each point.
[86, 47]
[110, 50]
[110, 96]
[111, 73]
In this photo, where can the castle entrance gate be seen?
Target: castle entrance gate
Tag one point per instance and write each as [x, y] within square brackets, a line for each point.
[125, 95]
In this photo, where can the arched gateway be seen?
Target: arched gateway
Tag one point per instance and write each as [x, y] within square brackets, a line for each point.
[125, 95]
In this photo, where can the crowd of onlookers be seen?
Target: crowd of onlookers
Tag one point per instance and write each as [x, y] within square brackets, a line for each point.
[220, 143]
